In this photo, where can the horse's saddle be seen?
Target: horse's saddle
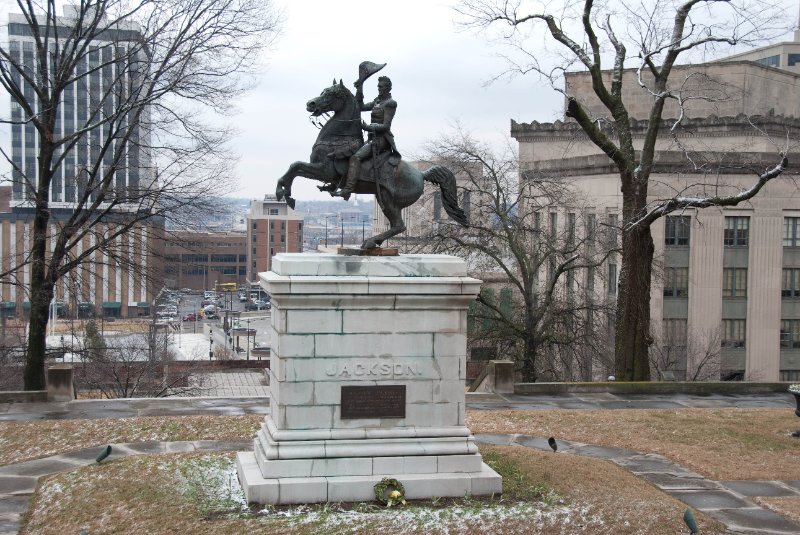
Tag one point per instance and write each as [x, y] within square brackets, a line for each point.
[386, 164]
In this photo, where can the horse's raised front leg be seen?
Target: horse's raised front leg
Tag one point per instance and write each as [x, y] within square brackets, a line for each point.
[315, 171]
[396, 225]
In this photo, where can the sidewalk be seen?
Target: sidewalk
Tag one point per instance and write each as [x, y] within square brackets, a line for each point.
[727, 501]
[246, 396]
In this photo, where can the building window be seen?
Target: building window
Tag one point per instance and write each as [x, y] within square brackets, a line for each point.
[590, 279]
[736, 231]
[613, 226]
[791, 283]
[771, 61]
[791, 237]
[676, 231]
[794, 59]
[553, 226]
[734, 282]
[273, 211]
[591, 226]
[437, 206]
[612, 279]
[733, 333]
[790, 334]
[674, 332]
[571, 228]
[676, 282]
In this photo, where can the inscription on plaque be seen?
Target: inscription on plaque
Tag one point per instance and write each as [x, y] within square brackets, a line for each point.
[381, 401]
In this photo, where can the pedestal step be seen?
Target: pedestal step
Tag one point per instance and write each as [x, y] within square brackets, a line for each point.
[350, 488]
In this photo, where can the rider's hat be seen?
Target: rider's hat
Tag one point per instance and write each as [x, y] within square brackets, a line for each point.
[367, 69]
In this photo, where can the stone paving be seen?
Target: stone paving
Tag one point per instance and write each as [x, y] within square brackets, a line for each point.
[251, 383]
[728, 501]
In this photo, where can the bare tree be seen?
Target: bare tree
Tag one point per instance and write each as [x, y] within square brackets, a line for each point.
[133, 364]
[544, 255]
[144, 141]
[696, 357]
[650, 38]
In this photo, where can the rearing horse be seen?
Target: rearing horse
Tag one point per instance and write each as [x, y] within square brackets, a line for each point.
[339, 138]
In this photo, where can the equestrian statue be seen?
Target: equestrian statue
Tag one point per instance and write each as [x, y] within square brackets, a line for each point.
[346, 164]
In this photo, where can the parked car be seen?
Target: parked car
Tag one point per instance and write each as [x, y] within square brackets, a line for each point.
[190, 317]
[258, 305]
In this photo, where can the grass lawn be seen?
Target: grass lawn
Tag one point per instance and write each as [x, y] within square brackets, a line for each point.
[543, 492]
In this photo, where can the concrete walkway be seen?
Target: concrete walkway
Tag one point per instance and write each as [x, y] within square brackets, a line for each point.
[727, 501]
[232, 405]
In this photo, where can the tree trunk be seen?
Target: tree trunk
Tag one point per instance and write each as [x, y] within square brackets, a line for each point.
[41, 286]
[633, 337]
[529, 374]
[41, 295]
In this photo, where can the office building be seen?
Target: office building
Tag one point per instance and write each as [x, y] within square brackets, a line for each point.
[725, 297]
[121, 280]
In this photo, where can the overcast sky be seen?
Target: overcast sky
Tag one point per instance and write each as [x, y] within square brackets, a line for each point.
[437, 72]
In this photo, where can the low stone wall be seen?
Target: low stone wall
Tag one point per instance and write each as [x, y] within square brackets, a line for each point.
[23, 396]
[645, 388]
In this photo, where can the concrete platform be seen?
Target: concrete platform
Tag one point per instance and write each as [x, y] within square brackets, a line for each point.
[357, 488]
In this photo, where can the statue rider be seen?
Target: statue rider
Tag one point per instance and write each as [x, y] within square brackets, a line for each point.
[380, 138]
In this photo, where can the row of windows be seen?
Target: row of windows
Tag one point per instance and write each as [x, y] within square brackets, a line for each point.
[611, 233]
[736, 233]
[734, 282]
[733, 333]
[676, 282]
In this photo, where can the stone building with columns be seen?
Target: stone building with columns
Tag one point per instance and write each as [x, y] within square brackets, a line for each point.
[725, 298]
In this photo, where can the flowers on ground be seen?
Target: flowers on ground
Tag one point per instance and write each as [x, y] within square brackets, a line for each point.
[795, 388]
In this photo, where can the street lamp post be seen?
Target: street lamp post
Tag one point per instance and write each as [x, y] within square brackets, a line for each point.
[210, 344]
[248, 338]
[326, 231]
[363, 226]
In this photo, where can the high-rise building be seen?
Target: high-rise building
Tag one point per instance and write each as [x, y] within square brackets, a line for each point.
[121, 279]
[272, 228]
[104, 77]
[725, 298]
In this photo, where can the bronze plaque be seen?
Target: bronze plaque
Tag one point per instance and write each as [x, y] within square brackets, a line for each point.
[381, 401]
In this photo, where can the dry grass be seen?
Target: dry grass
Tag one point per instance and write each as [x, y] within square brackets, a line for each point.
[144, 495]
[22, 441]
[153, 495]
[725, 444]
[612, 493]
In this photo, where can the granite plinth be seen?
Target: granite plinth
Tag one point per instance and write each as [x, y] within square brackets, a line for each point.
[393, 328]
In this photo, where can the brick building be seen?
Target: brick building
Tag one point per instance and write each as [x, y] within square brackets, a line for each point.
[272, 228]
[198, 260]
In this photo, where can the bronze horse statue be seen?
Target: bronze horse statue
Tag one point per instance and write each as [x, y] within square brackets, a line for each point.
[394, 186]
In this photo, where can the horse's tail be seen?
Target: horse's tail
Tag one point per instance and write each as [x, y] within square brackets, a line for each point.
[444, 178]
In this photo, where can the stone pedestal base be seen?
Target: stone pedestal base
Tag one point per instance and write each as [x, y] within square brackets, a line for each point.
[367, 381]
[356, 488]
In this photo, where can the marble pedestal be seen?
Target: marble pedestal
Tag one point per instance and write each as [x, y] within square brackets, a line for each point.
[390, 326]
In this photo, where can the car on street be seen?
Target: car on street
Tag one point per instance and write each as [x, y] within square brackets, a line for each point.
[190, 317]
[258, 305]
